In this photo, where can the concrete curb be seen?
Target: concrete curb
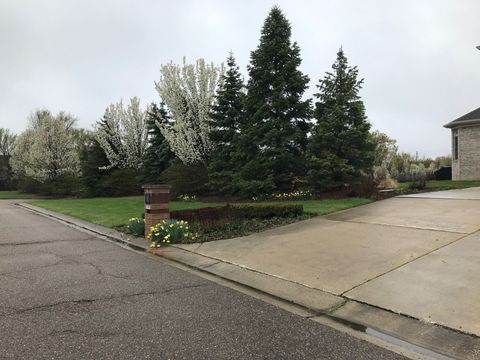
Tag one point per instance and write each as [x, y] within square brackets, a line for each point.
[430, 340]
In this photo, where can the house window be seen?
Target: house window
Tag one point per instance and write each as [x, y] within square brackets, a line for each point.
[455, 144]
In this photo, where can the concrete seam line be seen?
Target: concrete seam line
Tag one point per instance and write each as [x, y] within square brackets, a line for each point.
[408, 262]
[401, 226]
[434, 198]
[255, 270]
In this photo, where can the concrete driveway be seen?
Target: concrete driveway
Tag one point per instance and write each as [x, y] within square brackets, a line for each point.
[417, 255]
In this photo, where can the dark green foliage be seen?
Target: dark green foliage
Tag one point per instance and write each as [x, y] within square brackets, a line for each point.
[274, 133]
[226, 116]
[340, 149]
[185, 179]
[237, 212]
[92, 160]
[119, 182]
[62, 185]
[99, 181]
[268, 211]
[7, 181]
[158, 155]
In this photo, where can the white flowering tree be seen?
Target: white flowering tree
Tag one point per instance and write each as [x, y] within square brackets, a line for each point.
[46, 150]
[189, 92]
[123, 134]
[385, 155]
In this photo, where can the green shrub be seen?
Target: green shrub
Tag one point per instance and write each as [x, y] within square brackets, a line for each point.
[417, 184]
[120, 182]
[236, 212]
[170, 232]
[267, 211]
[136, 226]
[65, 185]
[185, 179]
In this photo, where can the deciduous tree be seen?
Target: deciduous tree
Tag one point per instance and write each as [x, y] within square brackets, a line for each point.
[188, 92]
[47, 151]
[122, 134]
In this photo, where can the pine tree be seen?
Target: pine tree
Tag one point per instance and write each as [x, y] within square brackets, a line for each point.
[339, 149]
[226, 116]
[158, 155]
[274, 135]
[93, 162]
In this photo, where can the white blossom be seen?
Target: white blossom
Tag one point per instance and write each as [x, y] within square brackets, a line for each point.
[123, 134]
[46, 150]
[189, 91]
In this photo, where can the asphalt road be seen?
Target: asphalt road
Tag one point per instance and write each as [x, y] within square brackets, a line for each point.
[65, 294]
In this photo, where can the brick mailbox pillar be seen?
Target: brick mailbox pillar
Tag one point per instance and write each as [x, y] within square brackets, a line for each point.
[157, 198]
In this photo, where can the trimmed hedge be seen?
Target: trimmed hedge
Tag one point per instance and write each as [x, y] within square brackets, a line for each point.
[237, 212]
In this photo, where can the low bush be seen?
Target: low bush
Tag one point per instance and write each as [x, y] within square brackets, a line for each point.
[268, 211]
[170, 232]
[65, 185]
[418, 178]
[292, 195]
[365, 187]
[417, 184]
[242, 227]
[229, 212]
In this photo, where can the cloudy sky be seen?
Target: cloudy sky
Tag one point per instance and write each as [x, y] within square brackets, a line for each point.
[418, 57]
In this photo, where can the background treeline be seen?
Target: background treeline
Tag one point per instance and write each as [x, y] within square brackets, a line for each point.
[213, 134]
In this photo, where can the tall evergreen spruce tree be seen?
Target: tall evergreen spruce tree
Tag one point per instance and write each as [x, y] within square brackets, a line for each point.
[158, 155]
[274, 134]
[339, 149]
[226, 116]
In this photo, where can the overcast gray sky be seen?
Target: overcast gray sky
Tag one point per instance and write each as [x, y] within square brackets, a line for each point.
[418, 57]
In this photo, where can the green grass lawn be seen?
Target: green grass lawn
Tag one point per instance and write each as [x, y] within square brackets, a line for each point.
[110, 212]
[114, 212]
[322, 207]
[9, 195]
[445, 184]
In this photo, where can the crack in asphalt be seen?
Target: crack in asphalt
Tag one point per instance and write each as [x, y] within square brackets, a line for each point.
[114, 297]
[64, 260]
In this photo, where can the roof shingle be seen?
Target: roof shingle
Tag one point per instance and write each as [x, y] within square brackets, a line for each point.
[471, 118]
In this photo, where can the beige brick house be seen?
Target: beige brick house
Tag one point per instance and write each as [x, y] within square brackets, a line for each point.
[466, 146]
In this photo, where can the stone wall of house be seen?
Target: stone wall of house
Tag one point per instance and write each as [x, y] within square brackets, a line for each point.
[468, 165]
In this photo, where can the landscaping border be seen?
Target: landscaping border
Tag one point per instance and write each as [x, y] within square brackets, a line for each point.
[430, 340]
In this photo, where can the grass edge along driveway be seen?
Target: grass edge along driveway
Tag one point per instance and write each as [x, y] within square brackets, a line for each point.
[114, 212]
[14, 195]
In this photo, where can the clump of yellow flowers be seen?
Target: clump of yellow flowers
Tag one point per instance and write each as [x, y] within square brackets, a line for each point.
[136, 226]
[170, 232]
